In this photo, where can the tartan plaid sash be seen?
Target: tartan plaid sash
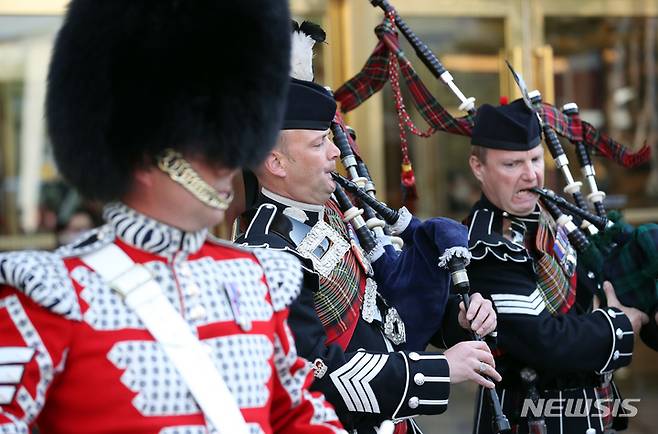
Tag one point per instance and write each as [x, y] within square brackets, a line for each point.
[339, 298]
[558, 289]
[375, 73]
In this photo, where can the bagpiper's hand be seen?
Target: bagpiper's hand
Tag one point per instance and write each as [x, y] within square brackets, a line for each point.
[481, 316]
[472, 360]
[636, 316]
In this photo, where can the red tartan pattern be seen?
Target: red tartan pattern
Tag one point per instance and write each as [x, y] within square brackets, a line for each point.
[366, 82]
[577, 130]
[340, 296]
[558, 291]
[606, 397]
[375, 73]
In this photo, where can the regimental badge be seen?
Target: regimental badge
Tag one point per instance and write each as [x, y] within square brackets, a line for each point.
[319, 234]
[394, 327]
[369, 307]
[564, 252]
[233, 295]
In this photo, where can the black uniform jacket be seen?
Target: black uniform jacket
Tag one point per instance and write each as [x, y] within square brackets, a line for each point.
[371, 379]
[570, 352]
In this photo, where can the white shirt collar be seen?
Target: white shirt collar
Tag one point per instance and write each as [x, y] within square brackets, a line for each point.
[319, 209]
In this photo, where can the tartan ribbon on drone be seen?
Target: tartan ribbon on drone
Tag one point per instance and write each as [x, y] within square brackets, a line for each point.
[580, 131]
[377, 71]
[385, 64]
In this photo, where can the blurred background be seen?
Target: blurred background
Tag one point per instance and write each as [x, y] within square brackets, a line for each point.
[601, 54]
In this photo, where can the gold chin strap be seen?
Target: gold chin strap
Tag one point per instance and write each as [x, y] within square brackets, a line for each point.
[180, 171]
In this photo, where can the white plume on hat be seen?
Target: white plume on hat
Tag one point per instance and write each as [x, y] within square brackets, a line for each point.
[304, 37]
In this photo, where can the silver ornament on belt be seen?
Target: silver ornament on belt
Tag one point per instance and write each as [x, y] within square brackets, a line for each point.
[394, 327]
[320, 232]
[369, 307]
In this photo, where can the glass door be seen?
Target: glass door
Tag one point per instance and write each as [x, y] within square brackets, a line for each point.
[608, 66]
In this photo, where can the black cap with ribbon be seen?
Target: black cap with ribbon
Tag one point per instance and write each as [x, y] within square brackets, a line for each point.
[309, 106]
[509, 127]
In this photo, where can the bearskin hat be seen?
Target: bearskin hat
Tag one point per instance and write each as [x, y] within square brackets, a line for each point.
[130, 78]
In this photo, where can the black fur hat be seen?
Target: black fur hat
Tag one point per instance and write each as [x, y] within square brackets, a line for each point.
[130, 78]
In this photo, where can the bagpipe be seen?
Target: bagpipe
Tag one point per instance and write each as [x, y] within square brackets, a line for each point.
[388, 61]
[610, 249]
[413, 278]
[454, 257]
[615, 251]
[409, 257]
[625, 255]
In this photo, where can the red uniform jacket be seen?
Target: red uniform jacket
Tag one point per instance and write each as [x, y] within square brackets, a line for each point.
[75, 359]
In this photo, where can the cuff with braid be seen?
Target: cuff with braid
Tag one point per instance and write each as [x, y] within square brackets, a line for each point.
[428, 385]
[621, 350]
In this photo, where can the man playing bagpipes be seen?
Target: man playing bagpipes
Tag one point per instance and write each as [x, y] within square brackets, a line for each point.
[341, 322]
[149, 325]
[626, 255]
[523, 261]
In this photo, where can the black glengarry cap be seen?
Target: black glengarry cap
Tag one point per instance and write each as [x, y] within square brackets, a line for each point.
[511, 127]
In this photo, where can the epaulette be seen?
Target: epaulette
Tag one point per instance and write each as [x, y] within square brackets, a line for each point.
[484, 239]
[43, 277]
[269, 227]
[89, 241]
[283, 274]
